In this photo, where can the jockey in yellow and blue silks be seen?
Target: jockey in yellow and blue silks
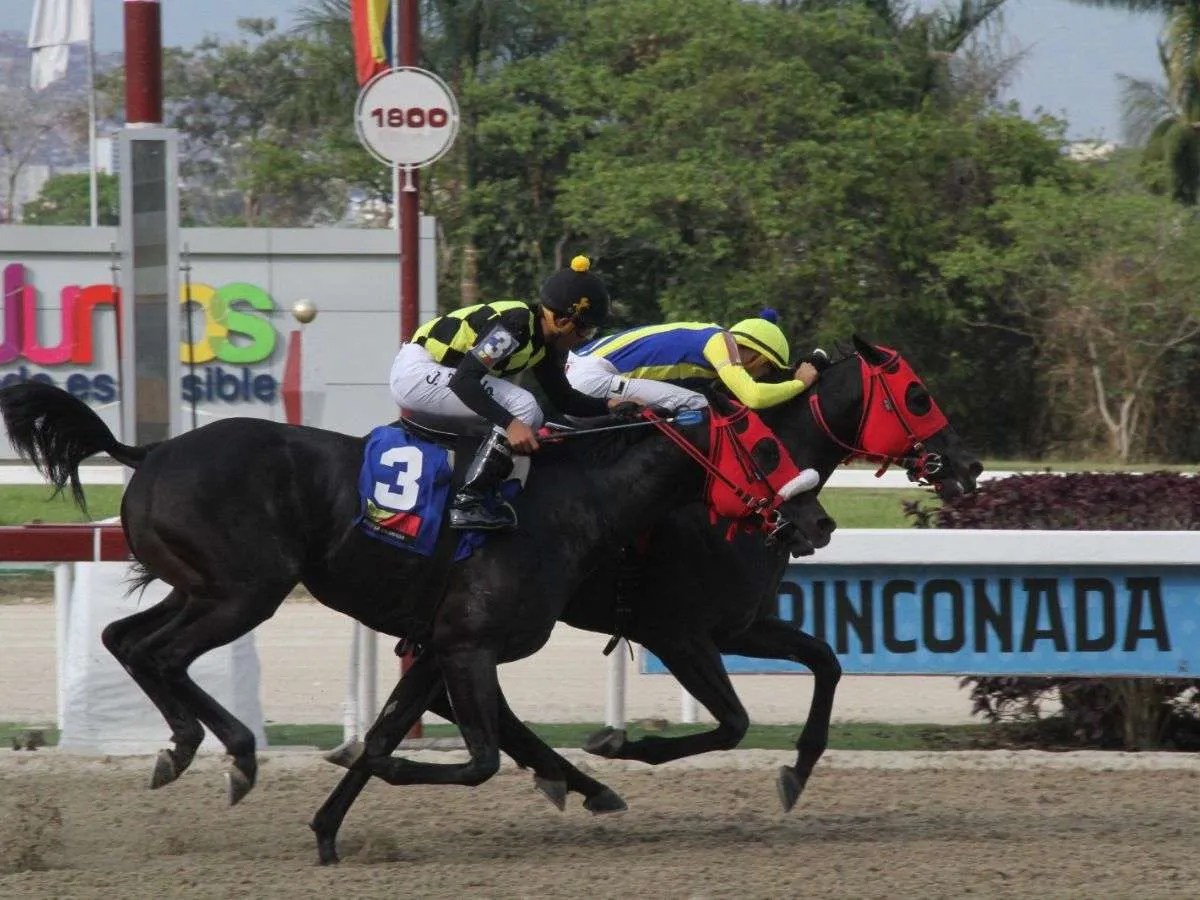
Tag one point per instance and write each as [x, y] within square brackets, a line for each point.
[665, 365]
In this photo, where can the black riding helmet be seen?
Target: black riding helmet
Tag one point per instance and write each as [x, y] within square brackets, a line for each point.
[577, 293]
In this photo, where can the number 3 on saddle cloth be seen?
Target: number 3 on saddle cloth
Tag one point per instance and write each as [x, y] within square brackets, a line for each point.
[403, 487]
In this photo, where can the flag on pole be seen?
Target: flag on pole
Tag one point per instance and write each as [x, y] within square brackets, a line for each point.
[371, 27]
[55, 25]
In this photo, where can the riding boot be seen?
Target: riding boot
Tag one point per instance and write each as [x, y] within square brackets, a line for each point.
[478, 503]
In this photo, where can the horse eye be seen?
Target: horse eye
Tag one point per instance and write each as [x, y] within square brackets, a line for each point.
[917, 399]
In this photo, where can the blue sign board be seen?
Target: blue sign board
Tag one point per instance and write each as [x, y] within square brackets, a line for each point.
[992, 620]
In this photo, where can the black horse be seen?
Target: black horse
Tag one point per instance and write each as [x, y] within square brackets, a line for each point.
[694, 593]
[232, 562]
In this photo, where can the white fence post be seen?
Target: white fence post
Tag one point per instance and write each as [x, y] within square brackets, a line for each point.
[350, 704]
[368, 672]
[64, 580]
[687, 706]
[614, 708]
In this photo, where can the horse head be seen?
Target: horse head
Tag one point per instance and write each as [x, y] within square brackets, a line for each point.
[872, 405]
[787, 507]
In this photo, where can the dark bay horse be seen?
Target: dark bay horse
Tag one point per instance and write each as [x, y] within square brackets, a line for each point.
[234, 514]
[698, 594]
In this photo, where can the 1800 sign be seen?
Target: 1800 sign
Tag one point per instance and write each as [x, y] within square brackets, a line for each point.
[406, 117]
[413, 117]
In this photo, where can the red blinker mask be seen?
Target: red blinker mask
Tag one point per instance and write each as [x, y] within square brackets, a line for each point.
[898, 412]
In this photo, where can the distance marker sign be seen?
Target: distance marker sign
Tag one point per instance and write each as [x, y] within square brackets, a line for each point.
[406, 117]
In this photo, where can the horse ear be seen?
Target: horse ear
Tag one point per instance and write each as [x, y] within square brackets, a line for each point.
[868, 351]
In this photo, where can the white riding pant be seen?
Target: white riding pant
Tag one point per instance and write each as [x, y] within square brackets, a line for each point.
[422, 384]
[597, 377]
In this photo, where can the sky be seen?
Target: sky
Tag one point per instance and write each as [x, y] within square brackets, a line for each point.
[1073, 52]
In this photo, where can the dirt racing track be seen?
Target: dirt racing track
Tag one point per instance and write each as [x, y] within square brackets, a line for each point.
[870, 825]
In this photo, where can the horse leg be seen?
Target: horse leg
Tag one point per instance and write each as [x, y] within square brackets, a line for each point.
[120, 637]
[203, 625]
[474, 689]
[408, 700]
[695, 661]
[553, 775]
[776, 639]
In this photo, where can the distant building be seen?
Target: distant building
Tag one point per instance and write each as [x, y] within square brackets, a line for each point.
[1091, 150]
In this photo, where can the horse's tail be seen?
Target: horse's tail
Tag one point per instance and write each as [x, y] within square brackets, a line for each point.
[56, 432]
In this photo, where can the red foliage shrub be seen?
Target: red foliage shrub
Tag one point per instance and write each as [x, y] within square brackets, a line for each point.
[1105, 712]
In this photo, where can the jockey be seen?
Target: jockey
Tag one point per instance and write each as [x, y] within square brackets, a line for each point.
[664, 365]
[456, 366]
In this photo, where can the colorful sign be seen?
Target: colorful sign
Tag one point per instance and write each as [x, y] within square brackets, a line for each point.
[236, 332]
[992, 620]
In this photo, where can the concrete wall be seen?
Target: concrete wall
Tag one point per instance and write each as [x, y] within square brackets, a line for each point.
[351, 274]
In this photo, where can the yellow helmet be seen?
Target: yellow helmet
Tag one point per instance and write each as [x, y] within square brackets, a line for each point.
[763, 336]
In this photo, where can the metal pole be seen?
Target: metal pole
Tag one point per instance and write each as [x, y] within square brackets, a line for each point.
[91, 64]
[410, 205]
[191, 336]
[395, 61]
[405, 43]
[143, 62]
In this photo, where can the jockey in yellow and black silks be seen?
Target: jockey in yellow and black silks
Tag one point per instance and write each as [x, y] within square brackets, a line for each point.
[456, 367]
[665, 365]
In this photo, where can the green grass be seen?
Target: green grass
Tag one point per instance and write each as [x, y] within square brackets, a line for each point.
[20, 504]
[848, 736]
[852, 507]
[872, 507]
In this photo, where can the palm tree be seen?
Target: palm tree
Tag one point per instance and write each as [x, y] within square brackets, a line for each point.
[1167, 119]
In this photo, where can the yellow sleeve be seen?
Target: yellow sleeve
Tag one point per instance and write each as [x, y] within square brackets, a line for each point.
[722, 352]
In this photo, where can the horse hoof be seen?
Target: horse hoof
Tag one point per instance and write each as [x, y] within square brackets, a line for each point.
[347, 754]
[238, 784]
[555, 791]
[606, 742]
[790, 786]
[327, 853]
[164, 770]
[607, 801]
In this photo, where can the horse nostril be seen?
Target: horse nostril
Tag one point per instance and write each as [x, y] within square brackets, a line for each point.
[976, 469]
[827, 525]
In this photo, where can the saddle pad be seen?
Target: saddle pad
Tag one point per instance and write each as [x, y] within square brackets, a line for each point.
[404, 486]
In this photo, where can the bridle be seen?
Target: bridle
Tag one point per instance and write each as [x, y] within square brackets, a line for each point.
[897, 440]
[759, 493]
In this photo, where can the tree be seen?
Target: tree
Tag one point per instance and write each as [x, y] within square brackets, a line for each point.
[1109, 286]
[29, 121]
[66, 200]
[1167, 120]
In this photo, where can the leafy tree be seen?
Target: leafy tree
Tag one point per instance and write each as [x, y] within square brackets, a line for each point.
[29, 121]
[67, 200]
[1107, 280]
[1167, 119]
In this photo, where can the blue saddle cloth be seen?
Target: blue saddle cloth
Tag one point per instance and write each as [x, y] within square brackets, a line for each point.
[403, 488]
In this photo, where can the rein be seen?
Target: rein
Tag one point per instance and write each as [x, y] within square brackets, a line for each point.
[766, 501]
[922, 465]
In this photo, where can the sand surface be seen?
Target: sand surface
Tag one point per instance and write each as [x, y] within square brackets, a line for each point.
[929, 826]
